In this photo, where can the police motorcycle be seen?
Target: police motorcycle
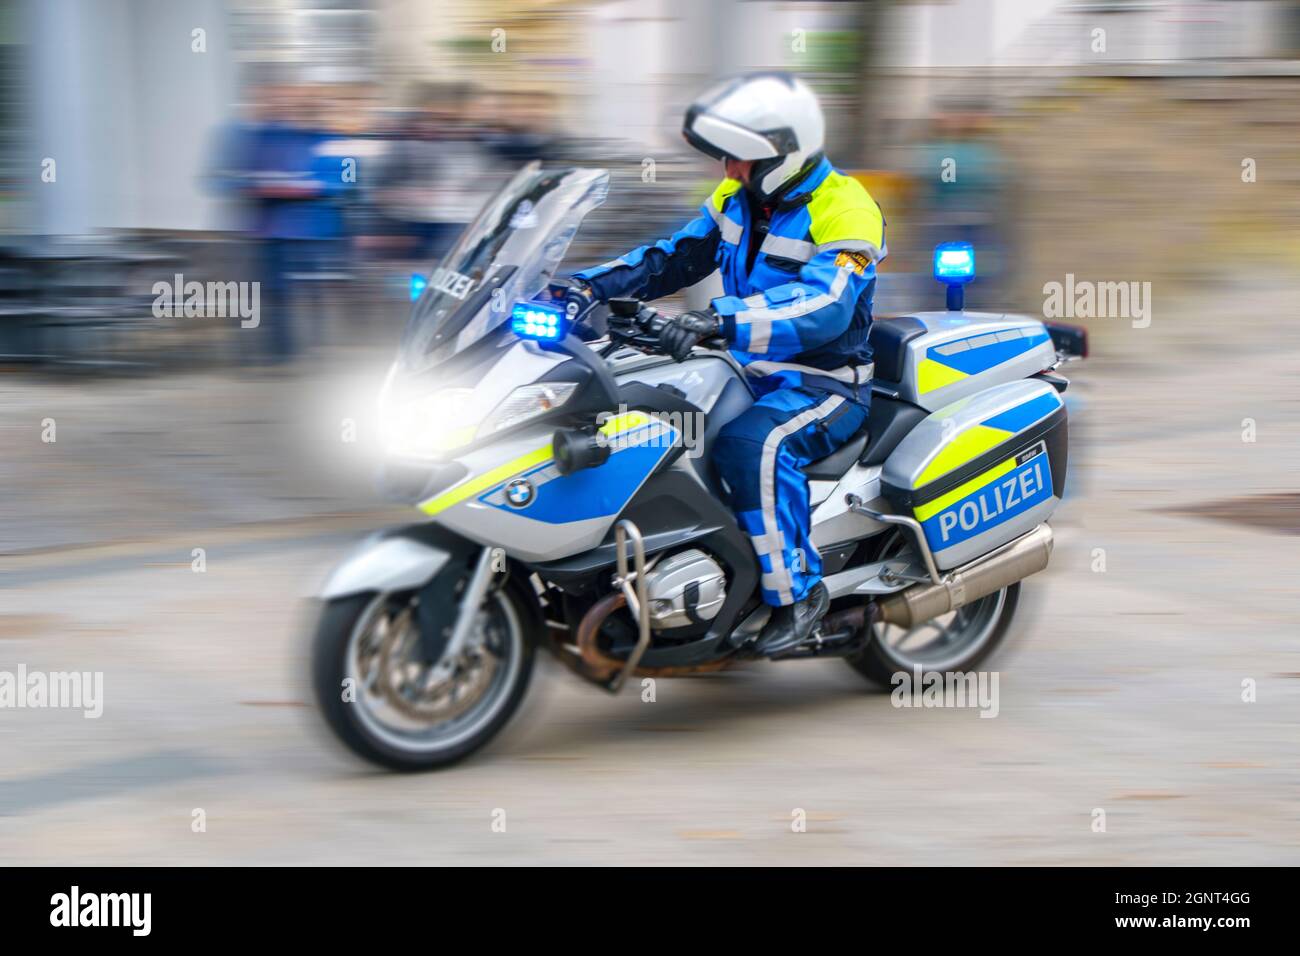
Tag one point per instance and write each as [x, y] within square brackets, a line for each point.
[570, 504]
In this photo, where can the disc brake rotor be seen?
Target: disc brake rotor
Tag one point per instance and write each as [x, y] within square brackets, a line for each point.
[418, 690]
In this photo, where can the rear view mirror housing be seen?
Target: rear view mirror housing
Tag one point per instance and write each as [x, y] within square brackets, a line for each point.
[1071, 341]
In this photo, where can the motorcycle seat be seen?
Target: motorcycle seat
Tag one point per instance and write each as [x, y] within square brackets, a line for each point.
[890, 419]
[834, 465]
[888, 423]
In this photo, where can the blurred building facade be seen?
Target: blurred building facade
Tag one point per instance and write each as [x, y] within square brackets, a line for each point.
[122, 94]
[115, 112]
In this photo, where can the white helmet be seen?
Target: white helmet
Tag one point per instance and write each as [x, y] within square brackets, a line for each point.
[773, 118]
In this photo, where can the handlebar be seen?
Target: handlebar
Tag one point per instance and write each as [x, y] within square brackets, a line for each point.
[634, 323]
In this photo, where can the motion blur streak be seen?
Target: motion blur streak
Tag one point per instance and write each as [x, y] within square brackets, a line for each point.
[175, 479]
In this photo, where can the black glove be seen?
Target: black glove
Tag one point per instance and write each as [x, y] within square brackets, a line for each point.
[684, 332]
[579, 299]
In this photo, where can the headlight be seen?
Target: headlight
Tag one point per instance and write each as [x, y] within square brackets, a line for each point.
[427, 426]
[527, 401]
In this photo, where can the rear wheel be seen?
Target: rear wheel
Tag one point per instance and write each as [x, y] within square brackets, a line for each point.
[395, 709]
[956, 641]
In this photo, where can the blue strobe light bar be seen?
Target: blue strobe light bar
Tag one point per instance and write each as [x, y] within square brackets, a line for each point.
[542, 323]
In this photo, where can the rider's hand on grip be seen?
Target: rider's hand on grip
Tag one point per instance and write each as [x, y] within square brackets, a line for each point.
[683, 332]
[579, 302]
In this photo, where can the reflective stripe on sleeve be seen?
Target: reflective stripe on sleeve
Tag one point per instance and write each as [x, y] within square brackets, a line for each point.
[760, 319]
[795, 249]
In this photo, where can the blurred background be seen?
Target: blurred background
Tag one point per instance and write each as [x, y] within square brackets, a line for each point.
[328, 149]
[322, 147]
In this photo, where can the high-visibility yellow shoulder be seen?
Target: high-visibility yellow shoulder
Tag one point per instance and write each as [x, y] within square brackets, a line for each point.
[726, 189]
[842, 210]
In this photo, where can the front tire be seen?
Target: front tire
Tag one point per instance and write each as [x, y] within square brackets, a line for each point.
[390, 708]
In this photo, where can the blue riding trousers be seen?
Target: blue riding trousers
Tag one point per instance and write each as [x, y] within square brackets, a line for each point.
[760, 456]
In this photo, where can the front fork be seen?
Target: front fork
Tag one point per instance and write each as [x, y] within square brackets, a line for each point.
[442, 650]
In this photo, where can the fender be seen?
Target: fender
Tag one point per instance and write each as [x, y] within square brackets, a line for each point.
[399, 559]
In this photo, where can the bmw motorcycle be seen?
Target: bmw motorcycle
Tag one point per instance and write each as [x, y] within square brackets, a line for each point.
[570, 504]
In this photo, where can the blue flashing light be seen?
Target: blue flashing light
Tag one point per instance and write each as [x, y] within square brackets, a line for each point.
[954, 262]
[418, 283]
[543, 323]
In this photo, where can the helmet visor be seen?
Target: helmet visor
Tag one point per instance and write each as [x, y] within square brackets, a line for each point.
[696, 141]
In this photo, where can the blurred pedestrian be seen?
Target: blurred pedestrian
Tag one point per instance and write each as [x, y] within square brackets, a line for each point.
[437, 175]
[289, 189]
[523, 130]
[958, 171]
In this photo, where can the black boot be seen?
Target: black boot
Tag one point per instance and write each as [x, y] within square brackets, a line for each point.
[790, 625]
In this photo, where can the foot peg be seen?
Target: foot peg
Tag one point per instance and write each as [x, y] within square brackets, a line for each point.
[792, 625]
[841, 634]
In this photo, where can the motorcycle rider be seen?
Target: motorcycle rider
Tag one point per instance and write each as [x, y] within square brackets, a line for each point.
[796, 243]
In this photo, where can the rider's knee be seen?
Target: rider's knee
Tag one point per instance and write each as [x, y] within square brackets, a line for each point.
[735, 451]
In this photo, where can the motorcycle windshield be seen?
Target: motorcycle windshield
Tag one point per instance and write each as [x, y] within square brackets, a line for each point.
[506, 255]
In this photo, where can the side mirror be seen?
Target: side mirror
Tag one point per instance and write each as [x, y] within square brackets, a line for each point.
[1071, 341]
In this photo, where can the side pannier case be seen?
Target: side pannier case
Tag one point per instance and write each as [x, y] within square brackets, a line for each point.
[983, 470]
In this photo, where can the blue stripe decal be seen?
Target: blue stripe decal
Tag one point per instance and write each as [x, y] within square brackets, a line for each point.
[597, 492]
[1025, 414]
[984, 357]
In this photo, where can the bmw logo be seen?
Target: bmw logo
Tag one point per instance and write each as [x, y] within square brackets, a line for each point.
[520, 493]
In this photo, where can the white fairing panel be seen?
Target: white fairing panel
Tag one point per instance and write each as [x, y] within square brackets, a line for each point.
[833, 522]
[702, 378]
[385, 565]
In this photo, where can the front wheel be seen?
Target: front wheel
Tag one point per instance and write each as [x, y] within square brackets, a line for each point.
[395, 709]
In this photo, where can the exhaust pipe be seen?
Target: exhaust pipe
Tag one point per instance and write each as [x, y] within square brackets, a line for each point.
[1016, 561]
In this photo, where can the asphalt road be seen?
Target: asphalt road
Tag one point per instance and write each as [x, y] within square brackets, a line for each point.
[1121, 690]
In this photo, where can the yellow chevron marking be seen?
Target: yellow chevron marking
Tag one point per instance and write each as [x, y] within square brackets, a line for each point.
[966, 446]
[931, 375]
[931, 508]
